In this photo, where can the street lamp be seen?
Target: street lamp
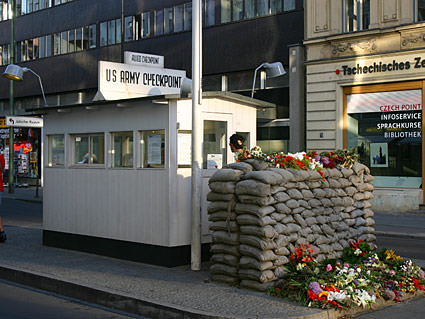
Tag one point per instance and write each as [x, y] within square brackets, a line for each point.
[16, 73]
[272, 70]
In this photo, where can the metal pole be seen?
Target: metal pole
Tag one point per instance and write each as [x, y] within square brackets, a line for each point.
[11, 185]
[122, 31]
[196, 134]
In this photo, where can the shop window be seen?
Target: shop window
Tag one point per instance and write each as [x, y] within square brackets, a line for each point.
[385, 128]
[122, 149]
[89, 149]
[56, 150]
[356, 14]
[152, 149]
[214, 144]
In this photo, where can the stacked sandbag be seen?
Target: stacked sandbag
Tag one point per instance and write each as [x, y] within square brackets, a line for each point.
[223, 226]
[259, 262]
[276, 210]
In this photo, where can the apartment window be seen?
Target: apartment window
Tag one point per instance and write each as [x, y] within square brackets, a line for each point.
[188, 16]
[56, 150]
[420, 10]
[122, 150]
[71, 41]
[146, 25]
[4, 54]
[129, 29]
[89, 37]
[159, 22]
[152, 149]
[168, 21]
[4, 10]
[209, 12]
[89, 149]
[79, 39]
[48, 45]
[112, 32]
[262, 8]
[178, 18]
[237, 9]
[356, 15]
[225, 11]
[249, 9]
[64, 42]
[275, 6]
[288, 5]
[103, 34]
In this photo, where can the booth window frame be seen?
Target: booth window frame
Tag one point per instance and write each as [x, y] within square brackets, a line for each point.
[50, 162]
[90, 152]
[113, 149]
[142, 161]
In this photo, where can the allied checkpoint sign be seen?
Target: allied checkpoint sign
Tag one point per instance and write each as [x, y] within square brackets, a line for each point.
[125, 81]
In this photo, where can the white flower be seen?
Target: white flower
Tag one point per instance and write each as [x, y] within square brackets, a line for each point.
[357, 252]
[338, 296]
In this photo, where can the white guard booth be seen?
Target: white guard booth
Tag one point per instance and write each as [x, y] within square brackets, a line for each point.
[117, 173]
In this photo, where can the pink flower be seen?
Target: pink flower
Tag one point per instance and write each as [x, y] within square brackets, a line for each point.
[329, 267]
[392, 272]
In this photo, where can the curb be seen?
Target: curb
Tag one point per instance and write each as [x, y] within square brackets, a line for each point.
[122, 302]
[24, 199]
[399, 235]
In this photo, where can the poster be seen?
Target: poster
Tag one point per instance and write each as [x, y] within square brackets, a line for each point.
[214, 161]
[378, 155]
[184, 148]
[154, 148]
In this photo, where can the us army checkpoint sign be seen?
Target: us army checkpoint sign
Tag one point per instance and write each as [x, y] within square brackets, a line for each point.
[124, 81]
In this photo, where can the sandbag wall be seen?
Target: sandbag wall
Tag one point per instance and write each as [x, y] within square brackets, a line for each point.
[259, 215]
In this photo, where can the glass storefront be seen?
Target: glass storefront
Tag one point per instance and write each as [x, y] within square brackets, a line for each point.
[386, 129]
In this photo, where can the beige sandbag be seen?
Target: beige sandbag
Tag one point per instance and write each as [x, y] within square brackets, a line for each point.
[340, 192]
[366, 230]
[224, 237]
[314, 175]
[282, 241]
[221, 216]
[356, 180]
[282, 251]
[288, 219]
[350, 190]
[368, 237]
[255, 285]
[337, 201]
[277, 189]
[308, 213]
[359, 168]
[334, 183]
[290, 185]
[252, 187]
[231, 226]
[301, 241]
[310, 221]
[324, 183]
[217, 206]
[304, 203]
[316, 229]
[226, 175]
[325, 249]
[287, 176]
[281, 197]
[348, 201]
[319, 193]
[359, 196]
[300, 220]
[356, 213]
[295, 193]
[307, 194]
[292, 203]
[266, 177]
[222, 269]
[226, 259]
[347, 172]
[222, 187]
[229, 280]
[370, 222]
[258, 165]
[300, 175]
[368, 178]
[281, 229]
[314, 202]
[267, 231]
[252, 274]
[280, 261]
[349, 209]
[334, 172]
[330, 192]
[321, 240]
[344, 182]
[257, 200]
[260, 255]
[244, 167]
[311, 238]
[263, 244]
[368, 213]
[337, 246]
[282, 208]
[225, 249]
[326, 202]
[327, 229]
[293, 228]
[322, 219]
[368, 195]
[255, 210]
[248, 219]
[220, 197]
[350, 222]
[278, 216]
[318, 210]
[301, 186]
[314, 184]
[298, 210]
[249, 262]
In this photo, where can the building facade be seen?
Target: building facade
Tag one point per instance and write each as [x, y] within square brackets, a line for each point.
[364, 90]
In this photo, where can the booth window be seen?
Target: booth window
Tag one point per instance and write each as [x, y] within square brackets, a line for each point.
[215, 144]
[122, 149]
[56, 150]
[89, 149]
[386, 130]
[152, 149]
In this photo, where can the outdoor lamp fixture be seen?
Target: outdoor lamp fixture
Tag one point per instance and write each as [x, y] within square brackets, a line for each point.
[16, 73]
[272, 70]
[186, 86]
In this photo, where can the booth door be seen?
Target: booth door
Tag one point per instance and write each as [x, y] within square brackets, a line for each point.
[216, 153]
